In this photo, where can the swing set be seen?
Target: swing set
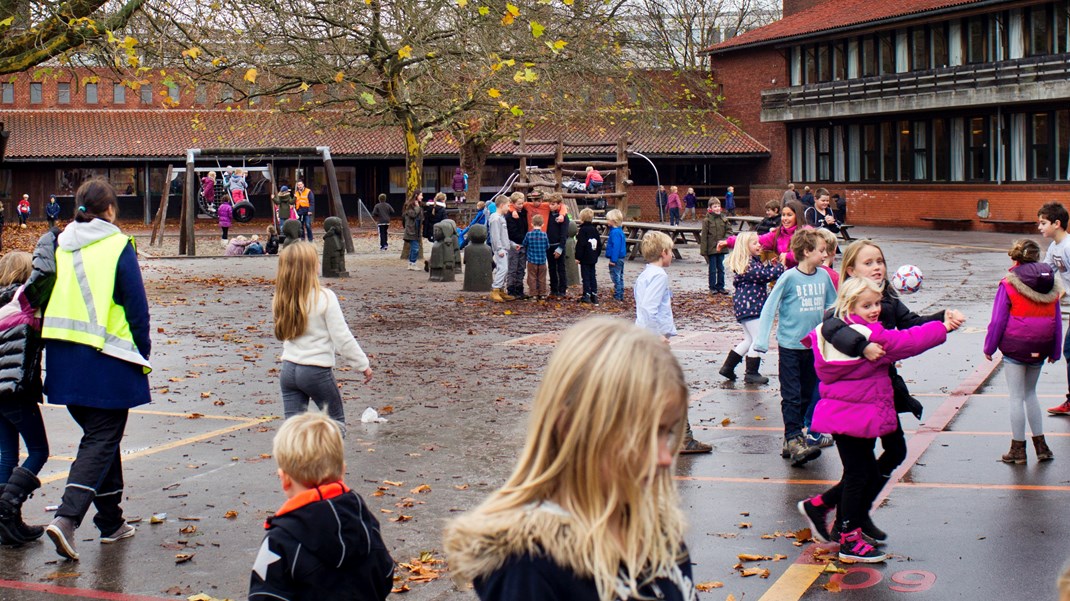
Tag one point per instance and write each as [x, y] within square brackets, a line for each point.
[194, 203]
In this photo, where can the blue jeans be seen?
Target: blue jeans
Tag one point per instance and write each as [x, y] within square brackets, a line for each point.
[797, 382]
[21, 418]
[616, 273]
[414, 250]
[305, 217]
[674, 216]
[304, 383]
[717, 272]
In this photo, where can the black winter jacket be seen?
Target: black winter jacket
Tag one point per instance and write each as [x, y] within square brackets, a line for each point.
[556, 233]
[588, 244]
[20, 357]
[518, 228]
[326, 550]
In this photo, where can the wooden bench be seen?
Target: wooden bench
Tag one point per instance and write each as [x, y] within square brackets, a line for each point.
[845, 232]
[954, 223]
[1014, 225]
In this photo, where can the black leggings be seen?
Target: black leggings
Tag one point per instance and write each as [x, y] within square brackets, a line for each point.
[860, 477]
[895, 452]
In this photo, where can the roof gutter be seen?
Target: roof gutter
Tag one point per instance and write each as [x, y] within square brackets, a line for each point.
[856, 26]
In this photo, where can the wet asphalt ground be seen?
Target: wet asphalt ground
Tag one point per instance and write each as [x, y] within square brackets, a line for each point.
[456, 374]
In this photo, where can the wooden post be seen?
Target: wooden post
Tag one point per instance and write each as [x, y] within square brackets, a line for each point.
[161, 213]
[336, 197]
[622, 175]
[189, 212]
[559, 158]
[271, 201]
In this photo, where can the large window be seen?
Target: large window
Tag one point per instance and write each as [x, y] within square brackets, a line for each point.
[35, 93]
[941, 150]
[889, 137]
[920, 50]
[824, 154]
[1038, 32]
[886, 43]
[146, 94]
[118, 93]
[7, 93]
[871, 140]
[91, 93]
[867, 56]
[906, 150]
[977, 157]
[63, 93]
[1062, 145]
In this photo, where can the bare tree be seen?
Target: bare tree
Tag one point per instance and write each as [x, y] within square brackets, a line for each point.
[670, 34]
[32, 33]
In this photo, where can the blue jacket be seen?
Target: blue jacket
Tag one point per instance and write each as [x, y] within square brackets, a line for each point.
[52, 210]
[76, 374]
[616, 245]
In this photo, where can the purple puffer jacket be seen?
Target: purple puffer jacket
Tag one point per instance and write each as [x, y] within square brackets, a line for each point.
[1026, 323]
[225, 214]
[856, 394]
[458, 180]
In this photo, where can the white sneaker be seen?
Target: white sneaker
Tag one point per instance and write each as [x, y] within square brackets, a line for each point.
[124, 531]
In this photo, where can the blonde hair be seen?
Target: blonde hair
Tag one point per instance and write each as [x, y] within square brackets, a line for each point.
[587, 215]
[516, 196]
[15, 267]
[441, 196]
[654, 244]
[592, 447]
[297, 288]
[1063, 583]
[308, 448]
[831, 243]
[849, 293]
[851, 255]
[615, 216]
[739, 258]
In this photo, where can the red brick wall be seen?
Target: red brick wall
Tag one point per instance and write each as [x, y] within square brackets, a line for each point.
[742, 76]
[890, 205]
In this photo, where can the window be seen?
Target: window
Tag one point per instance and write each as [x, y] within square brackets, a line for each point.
[886, 42]
[977, 167]
[889, 154]
[921, 150]
[91, 93]
[1062, 145]
[824, 63]
[1062, 27]
[975, 37]
[824, 154]
[306, 96]
[1038, 30]
[7, 93]
[871, 166]
[68, 180]
[201, 95]
[941, 54]
[810, 66]
[919, 49]
[146, 94]
[63, 93]
[227, 95]
[868, 56]
[941, 151]
[1039, 147]
[118, 93]
[839, 60]
[124, 179]
[253, 98]
[905, 139]
[35, 93]
[174, 94]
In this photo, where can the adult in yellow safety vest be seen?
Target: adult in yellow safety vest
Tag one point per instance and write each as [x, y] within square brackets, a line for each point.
[96, 332]
[304, 200]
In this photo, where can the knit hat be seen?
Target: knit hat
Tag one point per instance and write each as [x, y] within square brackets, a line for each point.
[284, 189]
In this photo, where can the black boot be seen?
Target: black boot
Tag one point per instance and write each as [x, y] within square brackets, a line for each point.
[19, 487]
[752, 376]
[728, 370]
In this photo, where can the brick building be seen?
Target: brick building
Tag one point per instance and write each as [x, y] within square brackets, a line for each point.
[66, 125]
[948, 109]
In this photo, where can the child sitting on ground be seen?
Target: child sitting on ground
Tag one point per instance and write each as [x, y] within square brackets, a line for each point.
[323, 543]
[272, 246]
[237, 245]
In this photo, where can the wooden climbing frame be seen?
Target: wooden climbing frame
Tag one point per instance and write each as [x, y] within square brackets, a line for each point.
[562, 168]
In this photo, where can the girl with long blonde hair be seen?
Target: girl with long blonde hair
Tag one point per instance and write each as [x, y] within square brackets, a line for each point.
[310, 324]
[751, 287]
[590, 511]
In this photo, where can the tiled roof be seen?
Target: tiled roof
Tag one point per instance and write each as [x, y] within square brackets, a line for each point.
[834, 14]
[152, 133]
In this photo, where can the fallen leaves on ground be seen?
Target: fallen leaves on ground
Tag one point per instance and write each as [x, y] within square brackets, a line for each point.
[230, 515]
[705, 587]
[424, 568]
[420, 489]
[753, 557]
[803, 535]
[184, 557]
[762, 572]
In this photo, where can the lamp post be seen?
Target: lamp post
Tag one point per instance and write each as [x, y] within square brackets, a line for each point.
[657, 181]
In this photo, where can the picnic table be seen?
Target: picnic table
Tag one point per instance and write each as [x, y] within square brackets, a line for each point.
[681, 235]
[744, 222]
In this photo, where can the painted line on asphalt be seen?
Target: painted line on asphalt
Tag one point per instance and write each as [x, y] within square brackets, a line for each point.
[249, 422]
[81, 593]
[955, 485]
[229, 418]
[942, 433]
[735, 480]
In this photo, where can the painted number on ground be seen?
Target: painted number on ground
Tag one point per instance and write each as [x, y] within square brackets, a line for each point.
[906, 581]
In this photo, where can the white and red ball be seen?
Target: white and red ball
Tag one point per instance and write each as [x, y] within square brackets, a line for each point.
[908, 279]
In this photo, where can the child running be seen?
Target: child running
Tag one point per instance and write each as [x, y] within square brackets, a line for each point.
[1026, 326]
[20, 393]
[591, 511]
[323, 543]
[751, 284]
[864, 259]
[857, 407]
[800, 297]
[310, 323]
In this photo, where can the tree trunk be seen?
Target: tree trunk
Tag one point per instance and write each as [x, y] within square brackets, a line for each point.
[474, 153]
[414, 157]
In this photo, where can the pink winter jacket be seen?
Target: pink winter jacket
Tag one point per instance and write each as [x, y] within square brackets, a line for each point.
[856, 394]
[777, 240]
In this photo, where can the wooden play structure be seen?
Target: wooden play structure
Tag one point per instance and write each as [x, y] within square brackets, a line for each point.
[615, 194]
[187, 242]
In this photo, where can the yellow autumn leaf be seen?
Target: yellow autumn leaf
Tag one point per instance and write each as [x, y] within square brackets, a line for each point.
[250, 75]
[512, 9]
[536, 29]
[339, 76]
[484, 11]
[559, 44]
[129, 42]
[304, 86]
[405, 51]
[509, 62]
[493, 93]
[8, 21]
[568, 2]
[192, 53]
[462, 3]
[508, 18]
[111, 38]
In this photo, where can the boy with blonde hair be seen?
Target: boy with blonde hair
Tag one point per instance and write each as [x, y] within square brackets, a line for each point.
[653, 305]
[323, 543]
[588, 249]
[616, 249]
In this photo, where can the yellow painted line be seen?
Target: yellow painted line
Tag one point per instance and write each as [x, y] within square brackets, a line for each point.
[249, 422]
[228, 418]
[794, 583]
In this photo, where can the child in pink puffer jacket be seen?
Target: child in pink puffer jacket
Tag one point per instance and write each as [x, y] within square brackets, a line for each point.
[856, 407]
[778, 240]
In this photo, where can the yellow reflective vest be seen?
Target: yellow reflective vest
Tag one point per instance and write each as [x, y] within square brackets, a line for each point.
[82, 308]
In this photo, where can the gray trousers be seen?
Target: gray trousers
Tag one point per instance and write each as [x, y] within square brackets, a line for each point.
[501, 269]
[518, 264]
[302, 383]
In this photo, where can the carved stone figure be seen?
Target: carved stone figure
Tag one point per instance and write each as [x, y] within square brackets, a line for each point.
[442, 252]
[291, 232]
[334, 248]
[479, 259]
[572, 271]
[452, 233]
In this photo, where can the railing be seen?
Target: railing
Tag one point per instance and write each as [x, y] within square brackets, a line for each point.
[933, 81]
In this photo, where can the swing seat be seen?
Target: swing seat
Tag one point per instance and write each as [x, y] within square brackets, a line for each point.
[244, 212]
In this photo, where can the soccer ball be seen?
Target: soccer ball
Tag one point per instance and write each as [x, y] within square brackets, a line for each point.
[907, 279]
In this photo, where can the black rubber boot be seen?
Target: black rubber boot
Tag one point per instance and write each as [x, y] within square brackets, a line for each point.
[752, 376]
[728, 370]
[19, 487]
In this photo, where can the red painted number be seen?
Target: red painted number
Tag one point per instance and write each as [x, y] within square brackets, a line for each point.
[869, 577]
[912, 581]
